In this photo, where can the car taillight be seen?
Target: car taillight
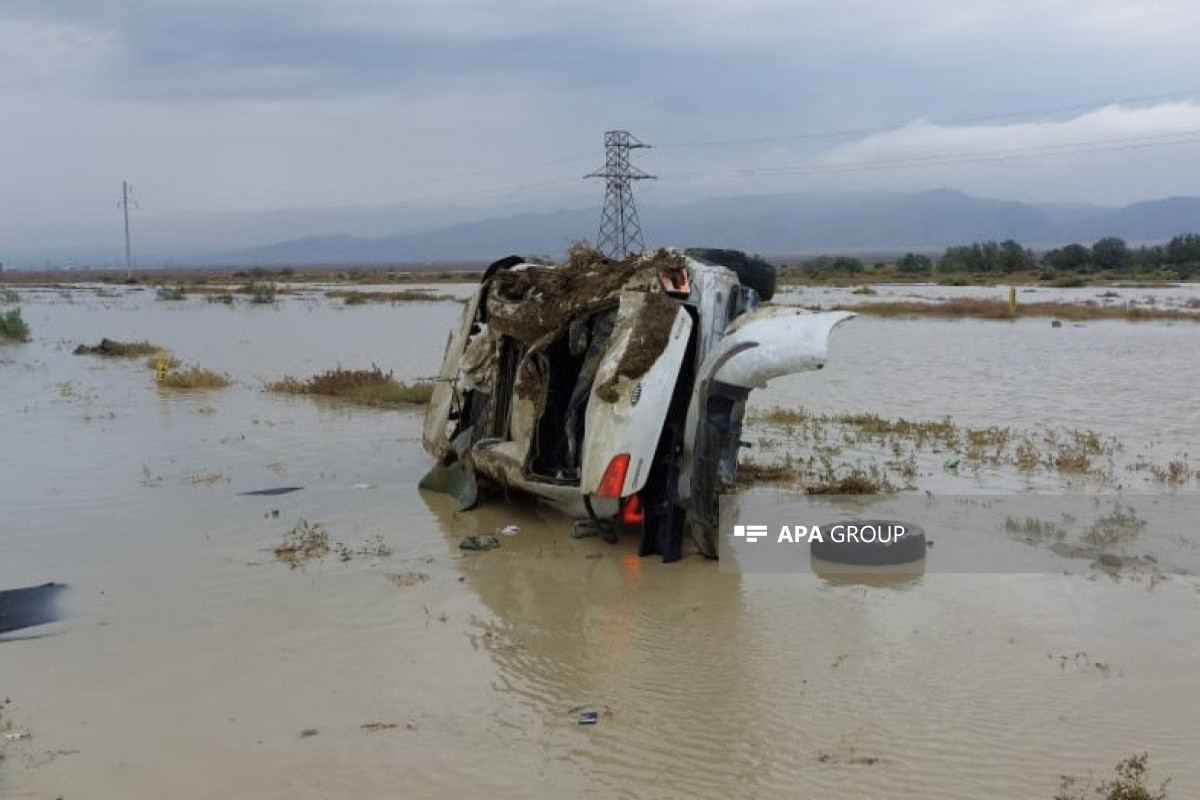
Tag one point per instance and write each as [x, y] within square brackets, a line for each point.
[631, 511]
[614, 477]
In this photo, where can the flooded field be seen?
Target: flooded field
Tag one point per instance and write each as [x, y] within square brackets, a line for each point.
[194, 661]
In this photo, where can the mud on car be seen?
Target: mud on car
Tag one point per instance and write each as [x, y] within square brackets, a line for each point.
[615, 388]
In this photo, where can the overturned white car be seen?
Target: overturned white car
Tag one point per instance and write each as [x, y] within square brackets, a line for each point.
[615, 386]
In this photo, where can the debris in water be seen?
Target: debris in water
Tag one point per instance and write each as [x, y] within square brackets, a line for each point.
[510, 530]
[483, 541]
[30, 606]
[271, 492]
[404, 579]
[585, 529]
[589, 714]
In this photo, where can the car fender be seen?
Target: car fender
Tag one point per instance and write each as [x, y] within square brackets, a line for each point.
[763, 344]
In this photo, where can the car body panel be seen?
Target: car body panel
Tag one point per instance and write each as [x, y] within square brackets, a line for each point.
[787, 340]
[624, 415]
[435, 436]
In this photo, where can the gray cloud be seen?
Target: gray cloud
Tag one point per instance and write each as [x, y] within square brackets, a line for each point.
[227, 105]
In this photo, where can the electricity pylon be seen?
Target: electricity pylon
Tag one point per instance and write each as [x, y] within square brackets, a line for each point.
[620, 231]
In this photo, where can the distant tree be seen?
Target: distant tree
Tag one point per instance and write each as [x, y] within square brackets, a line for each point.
[1184, 249]
[956, 259]
[988, 257]
[1149, 259]
[846, 265]
[1111, 253]
[1072, 258]
[1012, 257]
[914, 264]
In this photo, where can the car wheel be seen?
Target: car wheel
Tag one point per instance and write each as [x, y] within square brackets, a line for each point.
[874, 553]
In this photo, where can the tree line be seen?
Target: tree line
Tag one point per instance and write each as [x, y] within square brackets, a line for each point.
[1178, 259]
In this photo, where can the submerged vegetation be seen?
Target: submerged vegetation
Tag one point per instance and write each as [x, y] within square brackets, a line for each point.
[176, 292]
[194, 378]
[372, 387]
[987, 308]
[13, 327]
[112, 348]
[1128, 783]
[864, 453]
[303, 543]
[353, 297]
[262, 293]
[307, 542]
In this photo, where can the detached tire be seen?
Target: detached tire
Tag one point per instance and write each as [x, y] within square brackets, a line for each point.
[909, 547]
[752, 271]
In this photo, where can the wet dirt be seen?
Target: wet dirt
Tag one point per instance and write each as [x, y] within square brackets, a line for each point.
[649, 337]
[534, 303]
[190, 659]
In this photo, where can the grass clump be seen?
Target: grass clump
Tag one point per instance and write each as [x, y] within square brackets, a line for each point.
[372, 387]
[12, 327]
[783, 417]
[1120, 525]
[302, 544]
[171, 293]
[1128, 783]
[755, 472]
[225, 297]
[1035, 530]
[111, 348]
[262, 293]
[153, 361]
[986, 308]
[194, 378]
[353, 297]
[9, 296]
[1175, 473]
[856, 481]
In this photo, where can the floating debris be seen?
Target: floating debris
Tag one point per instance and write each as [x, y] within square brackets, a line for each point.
[271, 492]
[483, 541]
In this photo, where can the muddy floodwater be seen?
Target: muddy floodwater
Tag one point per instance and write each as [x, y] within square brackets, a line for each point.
[192, 663]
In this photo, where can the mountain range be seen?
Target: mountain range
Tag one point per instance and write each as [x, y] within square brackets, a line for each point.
[772, 225]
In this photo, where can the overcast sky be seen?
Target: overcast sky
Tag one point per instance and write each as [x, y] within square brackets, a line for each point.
[253, 120]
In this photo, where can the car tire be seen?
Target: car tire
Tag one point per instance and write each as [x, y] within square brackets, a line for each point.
[909, 547]
[508, 262]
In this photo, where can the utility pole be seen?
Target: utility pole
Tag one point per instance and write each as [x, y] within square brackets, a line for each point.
[125, 187]
[620, 231]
